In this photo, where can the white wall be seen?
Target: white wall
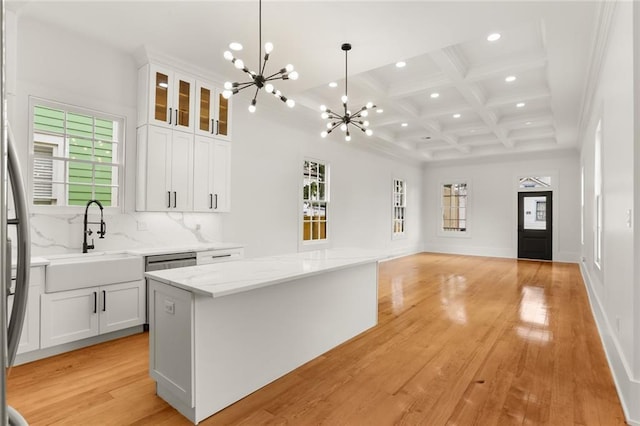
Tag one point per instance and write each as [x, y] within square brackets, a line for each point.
[492, 211]
[267, 154]
[267, 176]
[611, 287]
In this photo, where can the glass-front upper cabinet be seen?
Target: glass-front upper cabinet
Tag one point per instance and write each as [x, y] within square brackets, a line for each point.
[171, 99]
[213, 112]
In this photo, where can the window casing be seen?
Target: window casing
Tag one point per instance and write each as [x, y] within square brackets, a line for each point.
[454, 207]
[315, 201]
[598, 203]
[77, 155]
[399, 207]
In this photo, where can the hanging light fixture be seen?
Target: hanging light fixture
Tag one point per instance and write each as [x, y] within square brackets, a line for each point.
[343, 121]
[258, 79]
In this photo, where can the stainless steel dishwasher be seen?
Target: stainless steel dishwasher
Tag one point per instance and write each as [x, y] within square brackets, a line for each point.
[165, 261]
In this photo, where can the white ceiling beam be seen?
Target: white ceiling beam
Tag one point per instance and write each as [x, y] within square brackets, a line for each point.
[531, 95]
[508, 65]
[450, 62]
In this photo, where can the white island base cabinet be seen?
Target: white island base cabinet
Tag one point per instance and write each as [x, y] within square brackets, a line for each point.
[208, 352]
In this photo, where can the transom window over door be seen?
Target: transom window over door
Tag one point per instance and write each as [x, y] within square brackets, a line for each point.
[315, 198]
[77, 155]
[454, 207]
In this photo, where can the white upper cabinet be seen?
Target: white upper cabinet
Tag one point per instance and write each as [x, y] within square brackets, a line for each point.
[166, 98]
[211, 173]
[213, 112]
[165, 179]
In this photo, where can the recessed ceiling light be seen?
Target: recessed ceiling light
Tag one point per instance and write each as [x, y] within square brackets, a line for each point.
[494, 37]
[510, 79]
[527, 123]
[401, 64]
[234, 45]
[333, 84]
[404, 124]
[435, 95]
[457, 115]
[520, 104]
[379, 110]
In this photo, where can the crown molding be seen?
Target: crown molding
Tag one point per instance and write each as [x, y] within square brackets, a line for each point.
[603, 22]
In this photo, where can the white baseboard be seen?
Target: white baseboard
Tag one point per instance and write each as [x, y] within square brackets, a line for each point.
[628, 387]
[469, 251]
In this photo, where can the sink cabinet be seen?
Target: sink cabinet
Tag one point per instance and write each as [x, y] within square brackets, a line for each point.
[67, 316]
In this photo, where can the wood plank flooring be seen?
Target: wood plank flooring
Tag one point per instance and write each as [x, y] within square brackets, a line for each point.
[461, 340]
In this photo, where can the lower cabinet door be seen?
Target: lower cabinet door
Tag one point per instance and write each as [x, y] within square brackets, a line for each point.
[68, 316]
[122, 306]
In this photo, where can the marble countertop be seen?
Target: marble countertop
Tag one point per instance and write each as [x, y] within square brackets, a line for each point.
[35, 261]
[223, 279]
[150, 251]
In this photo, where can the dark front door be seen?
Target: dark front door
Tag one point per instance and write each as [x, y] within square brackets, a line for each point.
[534, 225]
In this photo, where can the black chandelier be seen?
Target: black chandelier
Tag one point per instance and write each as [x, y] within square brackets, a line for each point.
[258, 79]
[343, 121]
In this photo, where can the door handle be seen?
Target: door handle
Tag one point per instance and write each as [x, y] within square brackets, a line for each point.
[95, 302]
[216, 207]
[175, 199]
[176, 116]
[169, 199]
[210, 201]
[212, 126]
[170, 114]
[217, 127]
[104, 300]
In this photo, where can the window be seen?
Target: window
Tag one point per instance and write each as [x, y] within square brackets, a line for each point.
[399, 207]
[541, 211]
[315, 197]
[598, 196]
[454, 207]
[77, 155]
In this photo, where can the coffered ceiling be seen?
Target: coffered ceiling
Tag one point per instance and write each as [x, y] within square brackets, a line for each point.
[546, 46]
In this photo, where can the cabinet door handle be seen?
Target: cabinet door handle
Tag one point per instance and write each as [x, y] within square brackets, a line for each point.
[217, 127]
[216, 207]
[104, 300]
[95, 302]
[212, 126]
[170, 114]
[175, 199]
[176, 116]
[169, 199]
[210, 201]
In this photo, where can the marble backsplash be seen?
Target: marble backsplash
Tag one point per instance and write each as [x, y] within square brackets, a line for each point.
[54, 234]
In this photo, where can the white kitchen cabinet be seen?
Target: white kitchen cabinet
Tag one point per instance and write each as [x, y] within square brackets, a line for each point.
[213, 112]
[222, 176]
[30, 337]
[211, 175]
[67, 316]
[166, 98]
[165, 179]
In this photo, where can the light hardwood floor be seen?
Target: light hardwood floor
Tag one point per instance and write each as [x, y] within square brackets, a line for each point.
[460, 340]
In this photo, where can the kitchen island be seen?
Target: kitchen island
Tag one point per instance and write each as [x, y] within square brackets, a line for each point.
[219, 332]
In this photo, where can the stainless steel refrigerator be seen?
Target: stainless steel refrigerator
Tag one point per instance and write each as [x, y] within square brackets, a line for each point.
[11, 179]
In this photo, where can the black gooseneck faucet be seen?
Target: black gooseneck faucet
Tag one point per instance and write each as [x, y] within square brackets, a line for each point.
[87, 231]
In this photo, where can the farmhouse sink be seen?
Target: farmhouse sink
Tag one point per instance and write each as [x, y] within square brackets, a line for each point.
[74, 271]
